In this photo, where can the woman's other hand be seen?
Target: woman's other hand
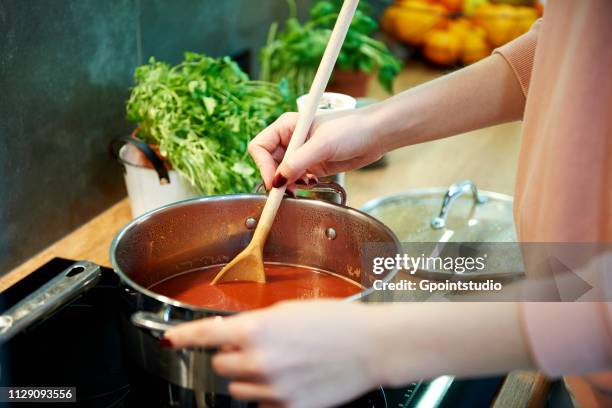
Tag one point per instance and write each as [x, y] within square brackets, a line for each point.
[295, 354]
[325, 352]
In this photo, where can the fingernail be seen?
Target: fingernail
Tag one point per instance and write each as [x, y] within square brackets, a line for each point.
[312, 180]
[279, 180]
[165, 342]
[301, 182]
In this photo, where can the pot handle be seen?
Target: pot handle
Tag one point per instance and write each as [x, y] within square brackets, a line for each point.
[453, 192]
[67, 285]
[319, 187]
[153, 322]
[158, 164]
[157, 325]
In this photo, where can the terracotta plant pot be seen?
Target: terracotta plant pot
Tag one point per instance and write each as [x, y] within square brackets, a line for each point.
[353, 83]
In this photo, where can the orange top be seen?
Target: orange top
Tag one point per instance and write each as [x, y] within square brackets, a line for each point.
[564, 181]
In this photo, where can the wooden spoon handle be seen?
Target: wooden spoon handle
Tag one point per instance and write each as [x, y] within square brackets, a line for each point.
[267, 216]
[322, 76]
[308, 113]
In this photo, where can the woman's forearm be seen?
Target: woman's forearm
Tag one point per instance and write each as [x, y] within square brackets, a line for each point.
[480, 95]
[414, 341]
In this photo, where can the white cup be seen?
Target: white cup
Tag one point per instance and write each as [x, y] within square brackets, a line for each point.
[330, 102]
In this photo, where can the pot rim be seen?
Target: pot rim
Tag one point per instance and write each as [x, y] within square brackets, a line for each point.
[167, 300]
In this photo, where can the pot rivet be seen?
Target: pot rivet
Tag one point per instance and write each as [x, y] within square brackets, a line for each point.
[330, 233]
[250, 223]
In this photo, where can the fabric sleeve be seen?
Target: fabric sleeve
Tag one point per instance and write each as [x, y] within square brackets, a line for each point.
[519, 53]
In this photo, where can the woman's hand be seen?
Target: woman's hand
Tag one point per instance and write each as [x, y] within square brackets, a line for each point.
[337, 142]
[296, 354]
[325, 352]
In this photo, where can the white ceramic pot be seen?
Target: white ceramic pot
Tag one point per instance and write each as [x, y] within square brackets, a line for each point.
[147, 191]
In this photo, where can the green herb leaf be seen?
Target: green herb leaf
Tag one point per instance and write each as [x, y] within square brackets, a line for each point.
[210, 104]
[202, 113]
[243, 169]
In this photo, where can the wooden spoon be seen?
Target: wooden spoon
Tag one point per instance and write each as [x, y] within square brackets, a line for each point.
[248, 265]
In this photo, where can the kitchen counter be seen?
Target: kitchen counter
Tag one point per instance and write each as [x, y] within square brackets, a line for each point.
[486, 156]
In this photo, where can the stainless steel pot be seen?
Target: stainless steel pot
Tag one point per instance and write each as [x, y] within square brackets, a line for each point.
[208, 231]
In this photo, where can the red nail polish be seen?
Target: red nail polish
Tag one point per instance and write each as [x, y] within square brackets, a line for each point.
[165, 342]
[279, 180]
[312, 181]
[301, 182]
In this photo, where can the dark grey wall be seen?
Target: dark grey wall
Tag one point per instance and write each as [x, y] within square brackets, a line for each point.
[65, 71]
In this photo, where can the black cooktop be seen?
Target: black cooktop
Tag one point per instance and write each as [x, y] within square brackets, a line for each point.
[80, 346]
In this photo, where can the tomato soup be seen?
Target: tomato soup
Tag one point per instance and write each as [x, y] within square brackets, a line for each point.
[283, 282]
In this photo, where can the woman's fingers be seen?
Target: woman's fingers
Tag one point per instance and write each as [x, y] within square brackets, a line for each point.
[268, 147]
[250, 391]
[259, 353]
[278, 154]
[313, 152]
[265, 162]
[238, 364]
[212, 332]
[198, 333]
[337, 142]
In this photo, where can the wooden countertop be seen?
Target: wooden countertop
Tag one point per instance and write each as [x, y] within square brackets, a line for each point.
[486, 156]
